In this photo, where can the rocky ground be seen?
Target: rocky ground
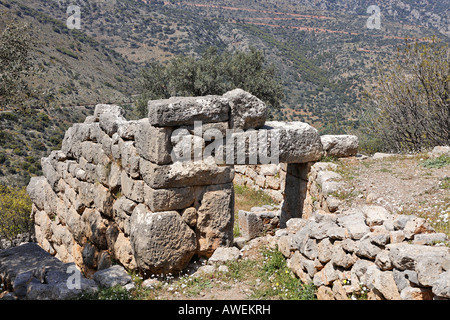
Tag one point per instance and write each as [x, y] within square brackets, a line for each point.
[402, 184]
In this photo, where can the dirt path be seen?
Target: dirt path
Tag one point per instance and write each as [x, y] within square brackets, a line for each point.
[401, 184]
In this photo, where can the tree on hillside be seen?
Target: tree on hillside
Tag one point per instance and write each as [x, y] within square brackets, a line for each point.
[211, 74]
[15, 45]
[410, 109]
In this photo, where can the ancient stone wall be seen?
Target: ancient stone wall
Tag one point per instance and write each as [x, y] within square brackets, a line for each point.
[368, 253]
[153, 193]
[271, 178]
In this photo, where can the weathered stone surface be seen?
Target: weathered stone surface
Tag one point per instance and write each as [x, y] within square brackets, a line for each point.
[325, 293]
[153, 143]
[109, 122]
[326, 276]
[34, 274]
[123, 252]
[340, 145]
[416, 226]
[367, 250]
[382, 282]
[110, 277]
[247, 111]
[375, 215]
[191, 173]
[320, 230]
[95, 228]
[215, 218]
[429, 265]
[298, 142]
[396, 236]
[355, 224]
[161, 241]
[41, 194]
[294, 192]
[325, 250]
[179, 111]
[382, 260]
[441, 286]
[129, 158]
[107, 109]
[342, 259]
[168, 199]
[131, 188]
[223, 255]
[430, 238]
[406, 256]
[250, 226]
[411, 293]
[186, 146]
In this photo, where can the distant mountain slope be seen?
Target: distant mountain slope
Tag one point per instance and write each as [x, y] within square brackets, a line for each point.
[75, 69]
[323, 51]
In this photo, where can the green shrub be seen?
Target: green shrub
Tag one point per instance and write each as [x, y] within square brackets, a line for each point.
[15, 209]
[436, 163]
[445, 183]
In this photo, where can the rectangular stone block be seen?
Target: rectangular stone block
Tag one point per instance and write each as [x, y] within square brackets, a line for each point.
[250, 225]
[340, 145]
[276, 142]
[188, 173]
[215, 218]
[131, 188]
[247, 111]
[168, 199]
[181, 111]
[153, 143]
[294, 191]
[298, 142]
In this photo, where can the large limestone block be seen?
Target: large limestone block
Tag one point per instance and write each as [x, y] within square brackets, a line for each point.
[298, 141]
[50, 173]
[42, 195]
[95, 228]
[382, 282]
[427, 261]
[112, 109]
[247, 111]
[294, 191]
[161, 241]
[276, 142]
[215, 218]
[178, 111]
[131, 188]
[129, 159]
[168, 199]
[340, 145]
[189, 173]
[153, 143]
[109, 122]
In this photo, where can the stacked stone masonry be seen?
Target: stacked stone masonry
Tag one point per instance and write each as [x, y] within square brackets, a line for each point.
[117, 189]
[366, 252]
[122, 190]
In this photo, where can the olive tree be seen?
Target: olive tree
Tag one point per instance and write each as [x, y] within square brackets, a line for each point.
[213, 73]
[410, 106]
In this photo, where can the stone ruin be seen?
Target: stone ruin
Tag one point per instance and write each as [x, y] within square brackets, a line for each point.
[151, 194]
[123, 191]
